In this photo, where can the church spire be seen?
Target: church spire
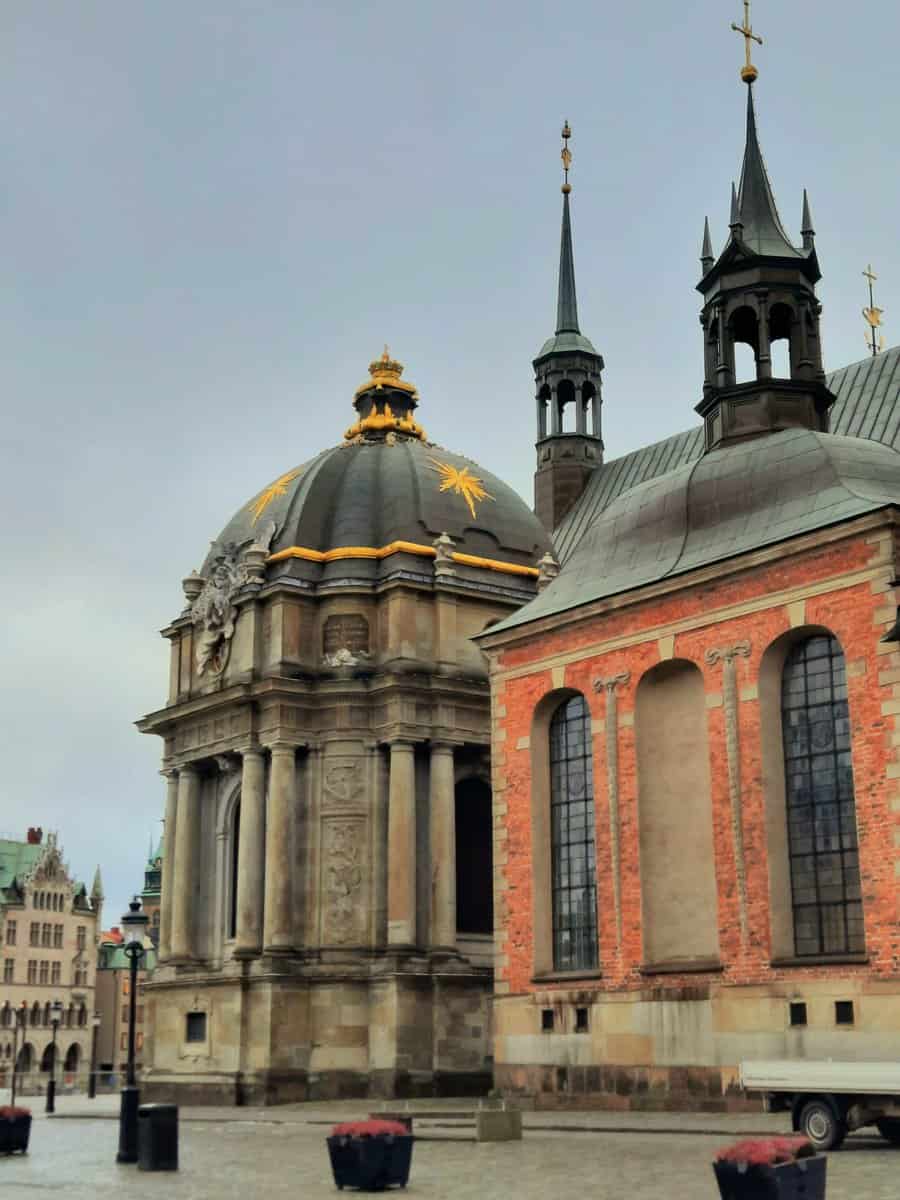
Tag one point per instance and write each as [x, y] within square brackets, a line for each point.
[761, 290]
[567, 302]
[567, 381]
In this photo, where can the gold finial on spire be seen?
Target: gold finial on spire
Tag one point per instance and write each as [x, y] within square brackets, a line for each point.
[749, 73]
[566, 157]
[873, 315]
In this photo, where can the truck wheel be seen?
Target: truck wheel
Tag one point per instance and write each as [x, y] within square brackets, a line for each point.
[889, 1128]
[821, 1124]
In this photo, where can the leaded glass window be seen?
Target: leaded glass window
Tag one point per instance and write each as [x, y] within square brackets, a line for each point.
[821, 811]
[574, 882]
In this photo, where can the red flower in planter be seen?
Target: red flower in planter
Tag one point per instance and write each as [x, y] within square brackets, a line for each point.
[8, 1113]
[766, 1152]
[370, 1128]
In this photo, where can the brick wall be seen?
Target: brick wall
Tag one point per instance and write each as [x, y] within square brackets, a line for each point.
[841, 584]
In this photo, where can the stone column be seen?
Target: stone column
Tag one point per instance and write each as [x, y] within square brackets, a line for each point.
[278, 926]
[251, 855]
[541, 418]
[595, 414]
[442, 797]
[555, 414]
[764, 355]
[580, 411]
[168, 866]
[401, 864]
[187, 836]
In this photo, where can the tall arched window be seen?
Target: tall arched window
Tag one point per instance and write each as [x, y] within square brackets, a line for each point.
[573, 873]
[821, 811]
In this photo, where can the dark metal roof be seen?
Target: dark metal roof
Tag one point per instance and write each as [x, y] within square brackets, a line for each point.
[867, 405]
[733, 500]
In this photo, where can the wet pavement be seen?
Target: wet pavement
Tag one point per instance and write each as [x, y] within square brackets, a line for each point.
[280, 1152]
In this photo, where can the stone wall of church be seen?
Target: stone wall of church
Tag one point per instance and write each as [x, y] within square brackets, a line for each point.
[667, 1018]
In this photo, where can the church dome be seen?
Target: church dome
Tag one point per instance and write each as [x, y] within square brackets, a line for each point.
[376, 503]
[733, 500]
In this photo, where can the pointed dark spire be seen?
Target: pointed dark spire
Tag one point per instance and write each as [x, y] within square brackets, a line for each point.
[763, 230]
[808, 230]
[567, 304]
[707, 258]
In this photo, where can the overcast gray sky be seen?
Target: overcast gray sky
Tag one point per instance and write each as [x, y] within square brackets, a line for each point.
[215, 212]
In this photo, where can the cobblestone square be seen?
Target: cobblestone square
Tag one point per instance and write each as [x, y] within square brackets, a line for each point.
[281, 1153]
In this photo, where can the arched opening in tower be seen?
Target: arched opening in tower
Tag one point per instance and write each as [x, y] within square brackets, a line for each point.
[474, 858]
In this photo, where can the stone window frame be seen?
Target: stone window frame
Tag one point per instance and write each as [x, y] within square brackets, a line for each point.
[781, 919]
[541, 870]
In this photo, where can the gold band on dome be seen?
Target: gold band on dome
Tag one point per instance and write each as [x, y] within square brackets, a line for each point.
[342, 552]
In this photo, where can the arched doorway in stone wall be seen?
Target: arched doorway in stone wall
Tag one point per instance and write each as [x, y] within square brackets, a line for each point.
[25, 1059]
[48, 1058]
[72, 1059]
[475, 869]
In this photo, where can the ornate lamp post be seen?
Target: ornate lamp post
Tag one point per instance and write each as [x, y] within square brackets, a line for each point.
[19, 1015]
[134, 923]
[55, 1018]
[92, 1078]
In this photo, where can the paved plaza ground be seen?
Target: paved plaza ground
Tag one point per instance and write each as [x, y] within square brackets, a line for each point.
[280, 1152]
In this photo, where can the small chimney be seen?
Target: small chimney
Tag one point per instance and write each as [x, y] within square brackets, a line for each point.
[35, 836]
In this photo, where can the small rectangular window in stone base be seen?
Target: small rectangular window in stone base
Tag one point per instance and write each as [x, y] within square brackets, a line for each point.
[798, 1012]
[843, 1012]
[195, 1027]
[582, 1020]
[547, 1020]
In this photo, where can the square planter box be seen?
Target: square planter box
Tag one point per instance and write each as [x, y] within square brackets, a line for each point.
[370, 1164]
[14, 1134]
[801, 1180]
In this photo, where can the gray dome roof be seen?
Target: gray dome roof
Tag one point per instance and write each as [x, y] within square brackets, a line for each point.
[728, 502]
[369, 494]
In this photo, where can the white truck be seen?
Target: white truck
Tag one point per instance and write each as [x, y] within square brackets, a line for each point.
[827, 1100]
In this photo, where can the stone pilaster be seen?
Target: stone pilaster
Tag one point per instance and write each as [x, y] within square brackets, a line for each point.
[443, 848]
[168, 866]
[187, 837]
[727, 655]
[402, 846]
[251, 855]
[278, 923]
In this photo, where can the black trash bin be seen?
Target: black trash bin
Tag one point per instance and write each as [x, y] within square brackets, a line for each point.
[158, 1137]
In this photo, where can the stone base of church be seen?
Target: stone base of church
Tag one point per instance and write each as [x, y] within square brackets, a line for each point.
[679, 1046]
[275, 1033]
[625, 1088]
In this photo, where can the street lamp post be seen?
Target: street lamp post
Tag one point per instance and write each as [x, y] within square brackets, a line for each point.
[134, 924]
[18, 1023]
[92, 1078]
[55, 1018]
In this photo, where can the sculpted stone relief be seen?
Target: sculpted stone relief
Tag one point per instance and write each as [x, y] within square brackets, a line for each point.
[343, 915]
[345, 640]
[212, 608]
[342, 781]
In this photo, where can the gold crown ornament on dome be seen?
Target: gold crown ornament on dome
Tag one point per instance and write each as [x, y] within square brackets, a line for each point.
[382, 416]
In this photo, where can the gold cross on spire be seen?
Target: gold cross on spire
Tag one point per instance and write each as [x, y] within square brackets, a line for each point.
[566, 156]
[748, 72]
[873, 315]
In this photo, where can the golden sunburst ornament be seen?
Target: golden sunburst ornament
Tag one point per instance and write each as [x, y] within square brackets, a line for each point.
[456, 479]
[267, 495]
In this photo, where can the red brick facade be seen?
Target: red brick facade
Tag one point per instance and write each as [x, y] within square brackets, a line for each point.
[837, 581]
